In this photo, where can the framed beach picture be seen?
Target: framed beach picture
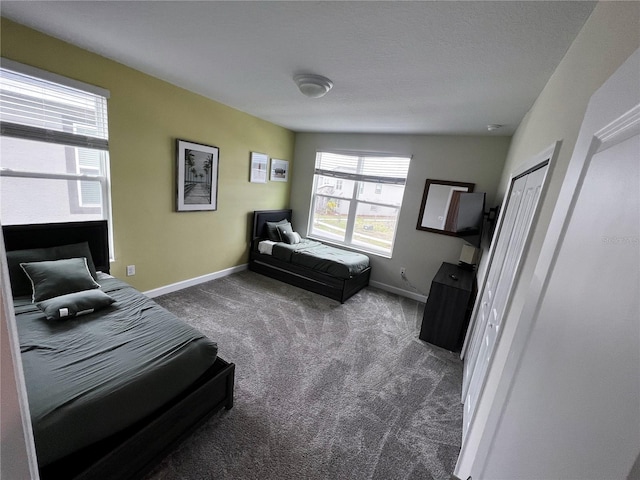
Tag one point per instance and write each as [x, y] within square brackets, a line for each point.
[197, 176]
[279, 170]
[258, 167]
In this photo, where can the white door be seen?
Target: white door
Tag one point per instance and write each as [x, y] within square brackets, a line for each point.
[510, 243]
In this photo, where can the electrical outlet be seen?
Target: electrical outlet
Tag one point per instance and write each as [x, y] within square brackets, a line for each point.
[131, 270]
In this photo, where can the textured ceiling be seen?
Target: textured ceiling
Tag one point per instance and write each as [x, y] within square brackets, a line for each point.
[397, 67]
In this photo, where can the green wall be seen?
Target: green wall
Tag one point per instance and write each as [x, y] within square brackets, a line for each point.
[146, 115]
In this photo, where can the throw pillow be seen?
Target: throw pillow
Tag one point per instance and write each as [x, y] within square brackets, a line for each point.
[54, 278]
[75, 304]
[272, 230]
[292, 238]
[283, 230]
[20, 284]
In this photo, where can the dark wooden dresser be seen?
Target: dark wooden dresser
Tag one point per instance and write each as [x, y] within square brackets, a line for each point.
[448, 307]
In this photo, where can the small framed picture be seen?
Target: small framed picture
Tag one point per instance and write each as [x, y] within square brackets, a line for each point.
[259, 163]
[279, 170]
[197, 176]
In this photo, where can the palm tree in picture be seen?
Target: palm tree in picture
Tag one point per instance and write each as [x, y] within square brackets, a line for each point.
[193, 173]
[207, 167]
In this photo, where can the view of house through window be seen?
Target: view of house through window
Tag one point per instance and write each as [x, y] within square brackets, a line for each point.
[356, 199]
[54, 157]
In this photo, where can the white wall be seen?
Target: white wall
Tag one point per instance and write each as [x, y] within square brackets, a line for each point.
[609, 36]
[476, 160]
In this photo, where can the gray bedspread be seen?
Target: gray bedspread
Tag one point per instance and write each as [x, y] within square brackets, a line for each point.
[322, 258]
[95, 375]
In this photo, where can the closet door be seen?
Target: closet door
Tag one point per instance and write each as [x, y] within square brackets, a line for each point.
[510, 243]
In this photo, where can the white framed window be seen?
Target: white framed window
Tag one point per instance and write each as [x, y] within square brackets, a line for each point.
[54, 149]
[361, 215]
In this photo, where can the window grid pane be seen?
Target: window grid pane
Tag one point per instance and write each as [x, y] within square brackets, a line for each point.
[375, 227]
[334, 187]
[37, 200]
[330, 218]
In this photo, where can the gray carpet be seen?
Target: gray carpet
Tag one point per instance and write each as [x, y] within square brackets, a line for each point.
[323, 390]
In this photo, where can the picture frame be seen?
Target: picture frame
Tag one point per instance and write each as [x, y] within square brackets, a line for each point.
[279, 170]
[197, 176]
[258, 167]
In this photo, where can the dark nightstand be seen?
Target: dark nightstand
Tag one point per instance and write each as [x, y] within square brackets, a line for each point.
[448, 307]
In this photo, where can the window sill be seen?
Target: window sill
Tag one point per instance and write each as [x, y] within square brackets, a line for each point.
[350, 247]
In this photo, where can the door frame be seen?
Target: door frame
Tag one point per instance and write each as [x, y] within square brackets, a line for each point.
[15, 403]
[586, 146]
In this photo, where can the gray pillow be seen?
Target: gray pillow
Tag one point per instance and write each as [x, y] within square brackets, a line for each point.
[74, 304]
[54, 278]
[292, 238]
[20, 284]
[272, 230]
[283, 230]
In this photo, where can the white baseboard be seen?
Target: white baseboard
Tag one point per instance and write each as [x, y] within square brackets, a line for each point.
[399, 291]
[174, 287]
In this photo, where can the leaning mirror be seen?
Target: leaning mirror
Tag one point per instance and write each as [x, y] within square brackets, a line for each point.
[439, 205]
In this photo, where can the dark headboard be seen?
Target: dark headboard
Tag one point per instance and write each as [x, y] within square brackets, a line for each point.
[96, 233]
[261, 217]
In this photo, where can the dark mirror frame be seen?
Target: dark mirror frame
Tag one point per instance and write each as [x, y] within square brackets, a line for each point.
[428, 184]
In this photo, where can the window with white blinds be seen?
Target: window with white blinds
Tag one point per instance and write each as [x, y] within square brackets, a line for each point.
[54, 148]
[356, 199]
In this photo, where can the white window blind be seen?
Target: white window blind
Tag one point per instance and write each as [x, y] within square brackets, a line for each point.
[38, 109]
[368, 168]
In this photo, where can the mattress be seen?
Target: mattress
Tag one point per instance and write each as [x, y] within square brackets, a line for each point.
[322, 258]
[94, 375]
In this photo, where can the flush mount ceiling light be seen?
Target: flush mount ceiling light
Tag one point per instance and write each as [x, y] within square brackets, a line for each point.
[313, 86]
[493, 126]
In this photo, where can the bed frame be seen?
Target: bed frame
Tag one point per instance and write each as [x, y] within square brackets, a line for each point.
[339, 289]
[136, 450]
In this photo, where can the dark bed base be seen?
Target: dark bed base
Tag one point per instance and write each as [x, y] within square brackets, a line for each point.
[134, 451]
[339, 289]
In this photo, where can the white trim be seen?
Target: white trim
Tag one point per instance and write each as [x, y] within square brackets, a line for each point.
[399, 291]
[53, 77]
[621, 129]
[174, 287]
[7, 172]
